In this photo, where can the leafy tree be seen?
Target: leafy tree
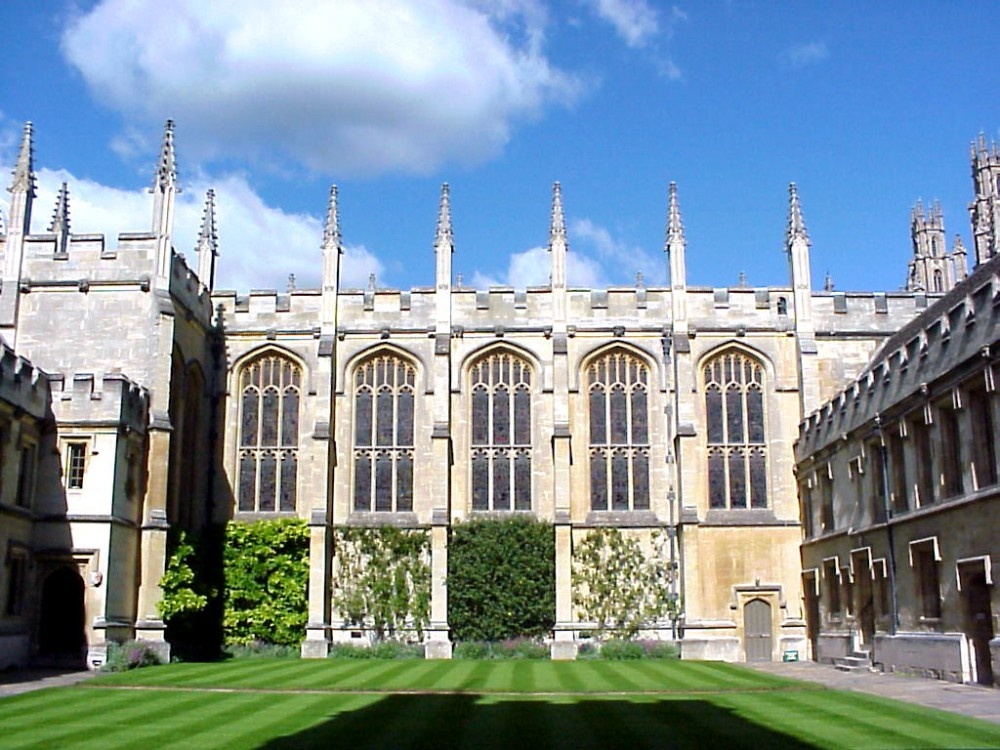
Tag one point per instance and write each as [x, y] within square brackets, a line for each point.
[383, 579]
[267, 574]
[501, 579]
[616, 586]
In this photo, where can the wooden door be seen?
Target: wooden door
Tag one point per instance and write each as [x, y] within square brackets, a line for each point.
[757, 630]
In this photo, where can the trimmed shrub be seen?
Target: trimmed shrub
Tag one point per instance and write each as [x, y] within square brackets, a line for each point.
[380, 650]
[501, 579]
[260, 649]
[267, 574]
[192, 586]
[130, 655]
[513, 649]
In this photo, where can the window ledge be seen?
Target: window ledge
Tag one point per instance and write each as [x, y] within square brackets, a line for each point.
[626, 518]
[744, 517]
[403, 520]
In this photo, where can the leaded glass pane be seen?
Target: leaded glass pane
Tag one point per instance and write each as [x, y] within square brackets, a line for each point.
[363, 482]
[501, 481]
[248, 482]
[480, 481]
[522, 481]
[619, 481]
[501, 417]
[268, 481]
[758, 480]
[522, 417]
[289, 466]
[755, 415]
[716, 480]
[598, 482]
[404, 419]
[269, 418]
[737, 480]
[639, 429]
[598, 435]
[383, 417]
[383, 482]
[248, 427]
[640, 482]
[290, 418]
[713, 408]
[404, 483]
[619, 417]
[363, 418]
[734, 415]
[480, 417]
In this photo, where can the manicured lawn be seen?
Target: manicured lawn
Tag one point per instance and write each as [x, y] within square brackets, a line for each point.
[367, 704]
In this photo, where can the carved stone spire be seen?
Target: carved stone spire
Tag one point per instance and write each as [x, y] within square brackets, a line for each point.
[675, 225]
[557, 227]
[331, 229]
[444, 238]
[796, 223]
[208, 243]
[60, 220]
[24, 170]
[166, 168]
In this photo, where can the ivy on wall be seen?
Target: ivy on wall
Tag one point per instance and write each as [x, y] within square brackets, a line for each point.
[267, 575]
[501, 579]
[382, 580]
[617, 587]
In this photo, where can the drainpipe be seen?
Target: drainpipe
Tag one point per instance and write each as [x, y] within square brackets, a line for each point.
[884, 461]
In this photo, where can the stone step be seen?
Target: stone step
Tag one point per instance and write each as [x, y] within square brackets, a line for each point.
[854, 663]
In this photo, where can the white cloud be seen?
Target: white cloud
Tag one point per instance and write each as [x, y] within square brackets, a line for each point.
[259, 245]
[533, 267]
[801, 55]
[353, 86]
[625, 260]
[634, 20]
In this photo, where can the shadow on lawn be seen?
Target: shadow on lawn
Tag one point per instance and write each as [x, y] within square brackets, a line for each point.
[442, 722]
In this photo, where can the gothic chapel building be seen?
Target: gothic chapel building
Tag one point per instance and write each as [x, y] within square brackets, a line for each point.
[135, 398]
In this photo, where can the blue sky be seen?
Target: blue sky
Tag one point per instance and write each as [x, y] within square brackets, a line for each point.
[867, 106]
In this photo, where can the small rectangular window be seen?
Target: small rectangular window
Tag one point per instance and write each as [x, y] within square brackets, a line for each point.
[76, 464]
[26, 476]
[15, 584]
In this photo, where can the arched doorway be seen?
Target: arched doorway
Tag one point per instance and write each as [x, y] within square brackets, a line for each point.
[757, 630]
[60, 631]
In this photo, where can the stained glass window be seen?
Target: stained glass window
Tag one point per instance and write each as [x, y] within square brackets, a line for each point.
[619, 432]
[269, 435]
[383, 441]
[501, 433]
[736, 432]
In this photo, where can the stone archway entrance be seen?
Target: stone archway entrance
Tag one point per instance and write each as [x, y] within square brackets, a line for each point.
[61, 624]
[757, 635]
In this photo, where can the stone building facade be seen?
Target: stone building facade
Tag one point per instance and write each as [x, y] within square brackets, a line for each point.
[667, 412]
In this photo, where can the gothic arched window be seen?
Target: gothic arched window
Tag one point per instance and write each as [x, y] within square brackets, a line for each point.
[737, 453]
[384, 389]
[618, 389]
[501, 433]
[270, 389]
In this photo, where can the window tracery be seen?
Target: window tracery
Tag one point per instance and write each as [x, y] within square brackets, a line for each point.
[270, 389]
[737, 452]
[501, 433]
[384, 389]
[618, 388]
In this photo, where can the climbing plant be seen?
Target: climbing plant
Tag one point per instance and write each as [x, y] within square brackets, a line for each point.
[617, 587]
[382, 580]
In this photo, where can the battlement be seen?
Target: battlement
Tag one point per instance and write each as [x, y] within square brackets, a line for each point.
[111, 399]
[959, 326]
[186, 288]
[22, 384]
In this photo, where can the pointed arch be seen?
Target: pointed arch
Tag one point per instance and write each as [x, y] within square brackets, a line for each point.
[383, 387]
[734, 382]
[618, 381]
[269, 382]
[349, 366]
[500, 385]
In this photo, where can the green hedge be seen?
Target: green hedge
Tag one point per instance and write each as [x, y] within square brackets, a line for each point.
[267, 576]
[501, 579]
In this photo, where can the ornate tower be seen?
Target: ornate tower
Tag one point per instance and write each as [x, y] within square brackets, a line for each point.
[984, 211]
[208, 244]
[933, 268]
[22, 195]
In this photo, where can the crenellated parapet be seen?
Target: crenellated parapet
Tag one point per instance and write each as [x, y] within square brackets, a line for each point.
[23, 385]
[111, 400]
[956, 329]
